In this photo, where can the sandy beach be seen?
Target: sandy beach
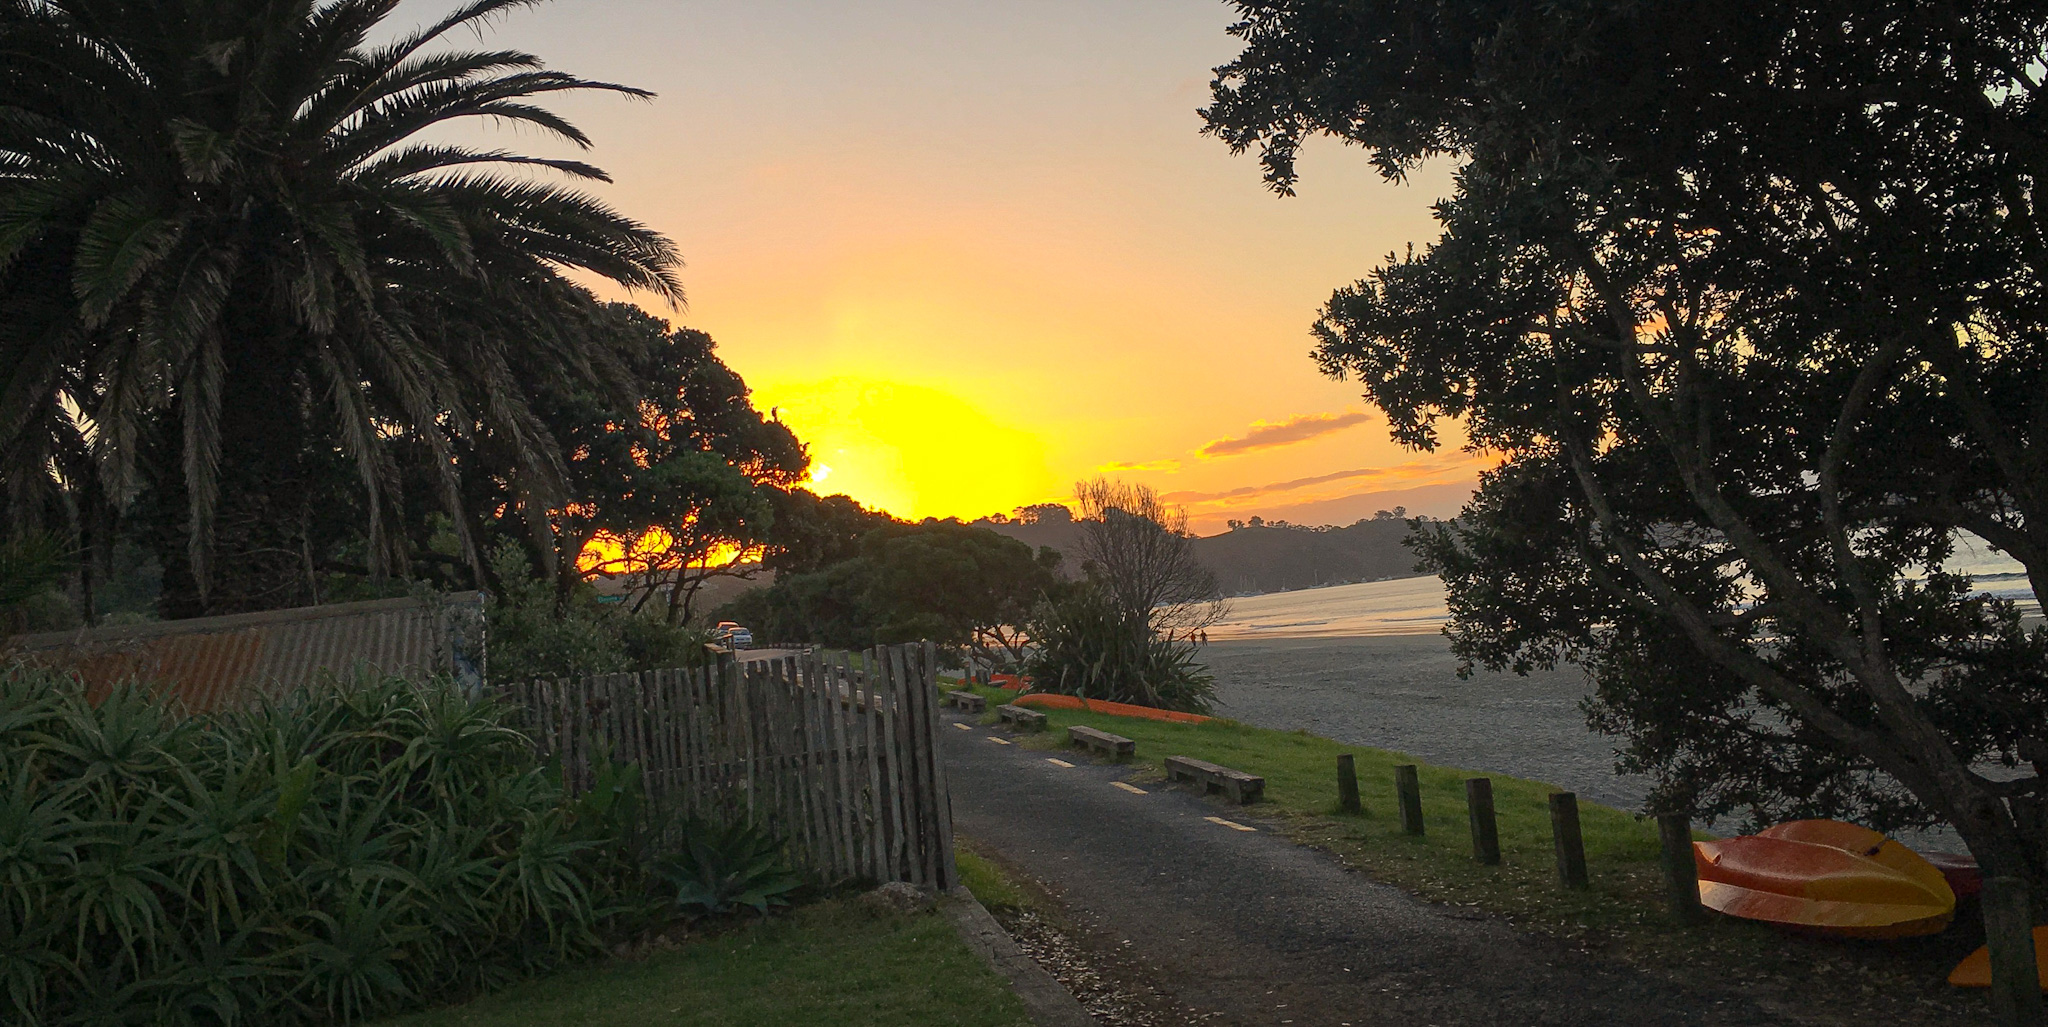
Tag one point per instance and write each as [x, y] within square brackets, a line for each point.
[1402, 692]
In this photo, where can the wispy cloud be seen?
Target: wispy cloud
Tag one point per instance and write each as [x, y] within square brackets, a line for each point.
[1299, 428]
[1144, 465]
[1444, 467]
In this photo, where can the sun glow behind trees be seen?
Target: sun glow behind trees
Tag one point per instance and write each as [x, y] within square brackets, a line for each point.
[914, 450]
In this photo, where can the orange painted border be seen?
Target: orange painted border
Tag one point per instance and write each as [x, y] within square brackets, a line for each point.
[1114, 709]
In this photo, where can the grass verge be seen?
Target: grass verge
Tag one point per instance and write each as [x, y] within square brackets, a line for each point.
[828, 963]
[992, 887]
[1621, 915]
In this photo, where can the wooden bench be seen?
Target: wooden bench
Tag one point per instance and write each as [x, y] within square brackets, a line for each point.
[1116, 747]
[967, 702]
[1242, 788]
[1020, 718]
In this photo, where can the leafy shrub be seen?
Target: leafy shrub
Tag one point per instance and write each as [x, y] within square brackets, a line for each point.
[721, 868]
[1086, 645]
[332, 857]
[536, 634]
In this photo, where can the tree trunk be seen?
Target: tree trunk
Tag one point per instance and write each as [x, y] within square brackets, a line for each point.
[2009, 932]
[2007, 849]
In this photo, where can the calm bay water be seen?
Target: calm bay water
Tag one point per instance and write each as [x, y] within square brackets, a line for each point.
[1415, 606]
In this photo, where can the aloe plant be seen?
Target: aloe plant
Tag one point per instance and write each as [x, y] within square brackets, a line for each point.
[334, 856]
[721, 868]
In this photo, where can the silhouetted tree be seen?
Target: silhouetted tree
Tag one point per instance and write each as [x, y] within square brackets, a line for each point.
[238, 252]
[959, 585]
[1749, 296]
[1144, 556]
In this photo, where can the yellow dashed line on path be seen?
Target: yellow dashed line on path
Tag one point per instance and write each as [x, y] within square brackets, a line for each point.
[1059, 763]
[1133, 789]
[1232, 824]
[963, 727]
[998, 741]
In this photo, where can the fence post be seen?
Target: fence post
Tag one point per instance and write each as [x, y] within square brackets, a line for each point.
[1408, 788]
[1485, 832]
[1570, 844]
[1347, 784]
[1681, 869]
[942, 794]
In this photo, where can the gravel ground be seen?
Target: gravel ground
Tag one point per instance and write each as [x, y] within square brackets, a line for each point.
[1402, 692]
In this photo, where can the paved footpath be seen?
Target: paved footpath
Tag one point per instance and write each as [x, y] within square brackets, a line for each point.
[1249, 925]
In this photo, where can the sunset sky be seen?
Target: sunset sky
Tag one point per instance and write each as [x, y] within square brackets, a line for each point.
[975, 252]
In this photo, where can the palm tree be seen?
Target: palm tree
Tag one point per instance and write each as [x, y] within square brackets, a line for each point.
[231, 227]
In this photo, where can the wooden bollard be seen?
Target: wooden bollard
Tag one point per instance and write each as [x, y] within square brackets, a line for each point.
[1570, 844]
[1485, 832]
[1408, 789]
[1347, 784]
[1681, 870]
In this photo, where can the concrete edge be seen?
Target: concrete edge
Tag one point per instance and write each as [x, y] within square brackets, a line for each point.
[1047, 1001]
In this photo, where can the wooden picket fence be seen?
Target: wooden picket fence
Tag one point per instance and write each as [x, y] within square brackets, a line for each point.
[836, 752]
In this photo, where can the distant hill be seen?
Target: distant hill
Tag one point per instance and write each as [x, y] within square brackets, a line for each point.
[1261, 557]
[1270, 558]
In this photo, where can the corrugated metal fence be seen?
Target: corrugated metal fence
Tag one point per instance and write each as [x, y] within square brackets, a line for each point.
[837, 752]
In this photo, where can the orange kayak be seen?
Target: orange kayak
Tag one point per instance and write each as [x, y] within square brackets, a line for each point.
[1114, 709]
[1975, 969]
[1827, 877]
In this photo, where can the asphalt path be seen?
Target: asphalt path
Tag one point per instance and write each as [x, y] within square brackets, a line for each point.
[1245, 924]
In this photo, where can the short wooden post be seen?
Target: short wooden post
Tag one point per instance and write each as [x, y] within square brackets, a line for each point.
[1347, 784]
[1681, 869]
[1408, 789]
[1564, 834]
[1485, 832]
[2015, 978]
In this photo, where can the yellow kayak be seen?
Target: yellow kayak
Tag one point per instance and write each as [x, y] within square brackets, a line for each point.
[1827, 877]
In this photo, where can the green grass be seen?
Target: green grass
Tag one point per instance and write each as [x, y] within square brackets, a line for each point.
[990, 885]
[828, 963]
[1622, 913]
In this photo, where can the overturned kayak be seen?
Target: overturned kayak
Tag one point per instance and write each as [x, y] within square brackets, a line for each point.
[1975, 969]
[1827, 877]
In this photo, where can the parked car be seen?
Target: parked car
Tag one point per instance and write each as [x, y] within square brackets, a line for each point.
[732, 635]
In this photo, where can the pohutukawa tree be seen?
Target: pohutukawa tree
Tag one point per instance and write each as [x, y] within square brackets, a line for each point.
[667, 479]
[1750, 297]
[234, 239]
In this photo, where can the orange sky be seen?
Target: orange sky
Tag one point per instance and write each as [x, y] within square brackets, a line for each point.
[974, 252]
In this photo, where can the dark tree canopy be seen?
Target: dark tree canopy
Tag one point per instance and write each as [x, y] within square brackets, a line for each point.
[234, 254]
[1750, 296]
[956, 584]
[673, 479]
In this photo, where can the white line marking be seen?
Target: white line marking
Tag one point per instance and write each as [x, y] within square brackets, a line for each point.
[1133, 789]
[963, 727]
[998, 741]
[1059, 763]
[1232, 824]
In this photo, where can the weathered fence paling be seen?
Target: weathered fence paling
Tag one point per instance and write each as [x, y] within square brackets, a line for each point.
[834, 752]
